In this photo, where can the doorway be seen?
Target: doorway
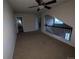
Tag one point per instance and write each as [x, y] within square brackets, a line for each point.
[19, 24]
[39, 23]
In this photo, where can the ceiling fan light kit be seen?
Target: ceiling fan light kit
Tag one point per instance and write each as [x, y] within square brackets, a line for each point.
[42, 4]
[41, 7]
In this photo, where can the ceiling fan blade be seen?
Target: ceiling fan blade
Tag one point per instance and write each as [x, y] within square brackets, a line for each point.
[47, 7]
[32, 6]
[39, 2]
[54, 1]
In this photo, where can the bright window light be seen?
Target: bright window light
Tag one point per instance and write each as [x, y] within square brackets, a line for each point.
[67, 36]
[19, 21]
[57, 21]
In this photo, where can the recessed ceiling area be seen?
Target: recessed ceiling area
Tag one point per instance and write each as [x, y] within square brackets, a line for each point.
[22, 5]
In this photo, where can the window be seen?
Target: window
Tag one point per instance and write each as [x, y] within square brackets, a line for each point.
[50, 22]
[57, 21]
[67, 36]
[53, 21]
[57, 27]
[19, 21]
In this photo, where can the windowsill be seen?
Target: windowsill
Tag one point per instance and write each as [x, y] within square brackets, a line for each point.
[58, 38]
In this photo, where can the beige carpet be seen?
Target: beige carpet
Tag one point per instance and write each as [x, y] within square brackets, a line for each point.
[36, 45]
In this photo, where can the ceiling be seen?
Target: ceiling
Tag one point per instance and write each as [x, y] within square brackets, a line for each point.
[22, 5]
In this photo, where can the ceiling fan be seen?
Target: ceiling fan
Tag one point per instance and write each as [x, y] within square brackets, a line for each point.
[42, 4]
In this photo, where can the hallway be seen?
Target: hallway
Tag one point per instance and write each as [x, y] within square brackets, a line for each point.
[36, 45]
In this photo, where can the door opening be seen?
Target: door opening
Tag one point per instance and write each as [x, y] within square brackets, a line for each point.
[39, 23]
[19, 24]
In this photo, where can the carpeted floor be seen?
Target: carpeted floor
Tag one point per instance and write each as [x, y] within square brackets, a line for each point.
[36, 45]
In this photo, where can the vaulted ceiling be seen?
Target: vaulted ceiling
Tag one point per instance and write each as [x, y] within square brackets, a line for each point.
[22, 5]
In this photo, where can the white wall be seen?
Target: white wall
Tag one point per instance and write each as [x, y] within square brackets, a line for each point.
[29, 21]
[65, 12]
[9, 32]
